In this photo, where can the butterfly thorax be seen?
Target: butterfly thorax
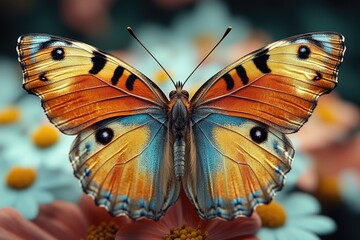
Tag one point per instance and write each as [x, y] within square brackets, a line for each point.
[179, 121]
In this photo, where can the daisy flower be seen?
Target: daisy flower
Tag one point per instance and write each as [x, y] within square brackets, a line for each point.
[180, 48]
[293, 214]
[177, 55]
[25, 187]
[331, 166]
[183, 61]
[302, 171]
[299, 168]
[182, 222]
[10, 81]
[39, 143]
[350, 189]
[9, 129]
[10, 92]
[18, 118]
[62, 220]
[332, 121]
[35, 169]
[194, 27]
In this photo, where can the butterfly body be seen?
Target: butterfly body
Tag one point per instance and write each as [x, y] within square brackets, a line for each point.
[180, 120]
[225, 146]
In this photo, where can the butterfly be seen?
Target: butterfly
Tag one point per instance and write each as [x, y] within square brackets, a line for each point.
[136, 150]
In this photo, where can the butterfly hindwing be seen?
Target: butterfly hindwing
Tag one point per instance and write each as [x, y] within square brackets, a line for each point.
[279, 84]
[235, 163]
[79, 85]
[124, 164]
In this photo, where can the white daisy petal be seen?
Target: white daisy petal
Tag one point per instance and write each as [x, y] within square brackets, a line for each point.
[297, 234]
[266, 234]
[7, 200]
[32, 114]
[48, 180]
[302, 221]
[10, 81]
[44, 197]
[27, 206]
[316, 224]
[69, 193]
[284, 233]
[298, 204]
[301, 162]
[350, 189]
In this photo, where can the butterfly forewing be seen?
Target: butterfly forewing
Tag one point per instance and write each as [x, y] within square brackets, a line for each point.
[79, 85]
[278, 84]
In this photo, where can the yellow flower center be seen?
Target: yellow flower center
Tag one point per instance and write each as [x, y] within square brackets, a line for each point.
[326, 114]
[20, 178]
[103, 231]
[160, 77]
[9, 115]
[45, 136]
[328, 191]
[186, 232]
[272, 215]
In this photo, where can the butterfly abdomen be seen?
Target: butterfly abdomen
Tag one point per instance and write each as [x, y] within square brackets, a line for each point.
[179, 115]
[179, 123]
[179, 158]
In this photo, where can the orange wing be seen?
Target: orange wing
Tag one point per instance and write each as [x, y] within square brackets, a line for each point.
[279, 84]
[80, 85]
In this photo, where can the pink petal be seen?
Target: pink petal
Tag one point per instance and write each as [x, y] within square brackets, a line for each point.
[309, 180]
[7, 234]
[14, 225]
[183, 212]
[347, 118]
[337, 157]
[95, 214]
[239, 228]
[63, 220]
[143, 229]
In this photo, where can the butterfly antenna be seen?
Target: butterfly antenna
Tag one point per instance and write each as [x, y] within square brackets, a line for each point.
[137, 39]
[229, 28]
